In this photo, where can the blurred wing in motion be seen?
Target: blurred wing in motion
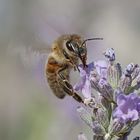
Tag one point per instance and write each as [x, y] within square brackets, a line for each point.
[29, 56]
[35, 48]
[31, 60]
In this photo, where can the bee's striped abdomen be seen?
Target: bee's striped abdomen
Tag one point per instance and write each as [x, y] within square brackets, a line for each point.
[51, 70]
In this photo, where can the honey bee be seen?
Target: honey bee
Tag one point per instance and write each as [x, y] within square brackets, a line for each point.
[66, 51]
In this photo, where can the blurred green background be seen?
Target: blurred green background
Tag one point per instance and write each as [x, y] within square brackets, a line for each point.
[28, 110]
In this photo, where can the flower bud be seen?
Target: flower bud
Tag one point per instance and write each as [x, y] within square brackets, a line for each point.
[94, 79]
[114, 73]
[106, 90]
[104, 102]
[116, 127]
[85, 116]
[125, 83]
[136, 71]
[110, 54]
[102, 116]
[136, 83]
[129, 69]
[130, 81]
[98, 129]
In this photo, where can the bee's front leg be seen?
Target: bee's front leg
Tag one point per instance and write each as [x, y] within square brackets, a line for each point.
[67, 87]
[71, 63]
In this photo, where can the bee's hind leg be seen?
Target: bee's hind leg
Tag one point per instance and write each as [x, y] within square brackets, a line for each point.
[67, 87]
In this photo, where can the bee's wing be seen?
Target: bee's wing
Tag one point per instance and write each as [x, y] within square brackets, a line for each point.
[32, 58]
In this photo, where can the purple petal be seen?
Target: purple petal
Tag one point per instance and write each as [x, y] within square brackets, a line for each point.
[90, 67]
[128, 107]
[82, 72]
[102, 82]
[86, 70]
[117, 113]
[80, 85]
[121, 99]
[101, 67]
[84, 84]
[86, 90]
[134, 115]
[138, 107]
[130, 116]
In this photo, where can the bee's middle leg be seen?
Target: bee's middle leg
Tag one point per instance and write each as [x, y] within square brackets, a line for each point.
[67, 87]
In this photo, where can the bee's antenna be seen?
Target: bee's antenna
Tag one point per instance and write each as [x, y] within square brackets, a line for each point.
[89, 39]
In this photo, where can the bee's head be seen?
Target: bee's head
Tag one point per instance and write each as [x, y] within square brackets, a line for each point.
[77, 50]
[76, 46]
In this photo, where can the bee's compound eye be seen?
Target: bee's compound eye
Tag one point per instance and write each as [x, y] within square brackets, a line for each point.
[81, 50]
[70, 46]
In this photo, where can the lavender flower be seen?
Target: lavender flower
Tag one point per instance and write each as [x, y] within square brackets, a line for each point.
[99, 81]
[84, 85]
[115, 109]
[128, 108]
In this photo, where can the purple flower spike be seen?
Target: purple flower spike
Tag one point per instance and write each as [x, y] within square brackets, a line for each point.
[84, 85]
[128, 108]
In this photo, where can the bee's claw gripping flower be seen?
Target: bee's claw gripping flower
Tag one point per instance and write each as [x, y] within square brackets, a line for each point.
[82, 136]
[89, 101]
